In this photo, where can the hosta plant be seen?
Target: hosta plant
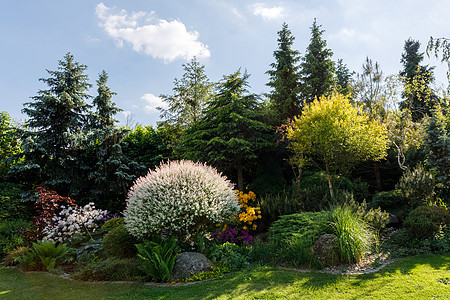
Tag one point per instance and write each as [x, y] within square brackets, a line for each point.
[179, 198]
[157, 259]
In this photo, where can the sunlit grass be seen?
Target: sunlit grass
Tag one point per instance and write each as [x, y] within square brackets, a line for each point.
[424, 277]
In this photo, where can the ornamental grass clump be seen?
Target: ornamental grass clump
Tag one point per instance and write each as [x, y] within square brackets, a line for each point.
[353, 235]
[179, 198]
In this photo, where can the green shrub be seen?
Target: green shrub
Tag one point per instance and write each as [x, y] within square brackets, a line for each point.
[307, 225]
[393, 202]
[275, 205]
[45, 255]
[420, 227]
[400, 244]
[10, 237]
[119, 243]
[11, 205]
[110, 269]
[374, 218]
[424, 221]
[353, 235]
[156, 259]
[11, 258]
[314, 193]
[291, 238]
[113, 223]
[417, 186]
[438, 214]
[229, 255]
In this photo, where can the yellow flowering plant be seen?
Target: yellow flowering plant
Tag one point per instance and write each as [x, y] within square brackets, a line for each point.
[237, 229]
[248, 214]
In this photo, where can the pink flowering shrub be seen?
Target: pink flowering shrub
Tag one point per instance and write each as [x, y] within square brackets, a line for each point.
[179, 198]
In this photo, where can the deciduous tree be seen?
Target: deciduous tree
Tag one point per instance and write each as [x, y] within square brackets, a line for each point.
[335, 135]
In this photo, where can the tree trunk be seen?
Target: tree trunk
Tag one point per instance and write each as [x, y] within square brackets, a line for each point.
[330, 185]
[240, 177]
[376, 169]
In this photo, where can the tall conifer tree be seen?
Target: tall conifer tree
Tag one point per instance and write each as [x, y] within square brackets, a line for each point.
[317, 68]
[418, 96]
[230, 134]
[284, 78]
[56, 120]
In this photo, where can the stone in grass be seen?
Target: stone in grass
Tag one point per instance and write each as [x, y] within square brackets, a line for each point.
[188, 264]
[326, 250]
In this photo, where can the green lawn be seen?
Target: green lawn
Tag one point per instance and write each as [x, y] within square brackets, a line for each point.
[423, 277]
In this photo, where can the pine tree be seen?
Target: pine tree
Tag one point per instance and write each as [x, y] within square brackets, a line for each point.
[111, 174]
[191, 93]
[317, 68]
[418, 96]
[284, 78]
[344, 78]
[437, 147]
[106, 109]
[230, 134]
[57, 117]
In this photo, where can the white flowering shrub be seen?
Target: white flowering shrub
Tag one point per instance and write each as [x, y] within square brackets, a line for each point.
[179, 198]
[74, 221]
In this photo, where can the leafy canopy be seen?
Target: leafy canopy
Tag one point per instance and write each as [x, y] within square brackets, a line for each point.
[334, 134]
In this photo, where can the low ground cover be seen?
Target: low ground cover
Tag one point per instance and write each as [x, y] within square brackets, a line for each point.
[421, 277]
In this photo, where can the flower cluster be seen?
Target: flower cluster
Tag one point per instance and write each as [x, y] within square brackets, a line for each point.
[236, 230]
[47, 207]
[248, 213]
[232, 235]
[179, 198]
[72, 221]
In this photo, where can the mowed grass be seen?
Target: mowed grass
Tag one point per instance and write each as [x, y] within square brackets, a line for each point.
[423, 277]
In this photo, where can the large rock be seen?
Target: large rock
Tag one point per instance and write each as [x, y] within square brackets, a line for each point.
[326, 250]
[188, 264]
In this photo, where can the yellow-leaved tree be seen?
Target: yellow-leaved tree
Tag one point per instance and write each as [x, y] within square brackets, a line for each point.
[335, 135]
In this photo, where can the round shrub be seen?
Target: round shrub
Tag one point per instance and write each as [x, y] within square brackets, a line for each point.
[420, 227]
[424, 221]
[119, 243]
[113, 223]
[179, 198]
[438, 214]
[391, 201]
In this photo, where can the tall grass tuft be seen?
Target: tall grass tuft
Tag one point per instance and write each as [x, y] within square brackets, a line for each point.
[354, 237]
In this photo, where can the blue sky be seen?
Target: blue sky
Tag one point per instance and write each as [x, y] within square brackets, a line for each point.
[143, 43]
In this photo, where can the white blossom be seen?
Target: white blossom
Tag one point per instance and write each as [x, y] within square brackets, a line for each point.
[74, 221]
[179, 196]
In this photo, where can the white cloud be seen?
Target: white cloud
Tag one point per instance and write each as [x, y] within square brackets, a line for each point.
[152, 102]
[126, 113]
[268, 13]
[351, 36]
[166, 40]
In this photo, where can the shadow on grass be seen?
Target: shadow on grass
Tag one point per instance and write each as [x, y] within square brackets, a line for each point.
[252, 283]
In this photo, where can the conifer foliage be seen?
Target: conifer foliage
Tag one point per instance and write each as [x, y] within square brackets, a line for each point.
[56, 120]
[284, 78]
[317, 68]
[230, 134]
